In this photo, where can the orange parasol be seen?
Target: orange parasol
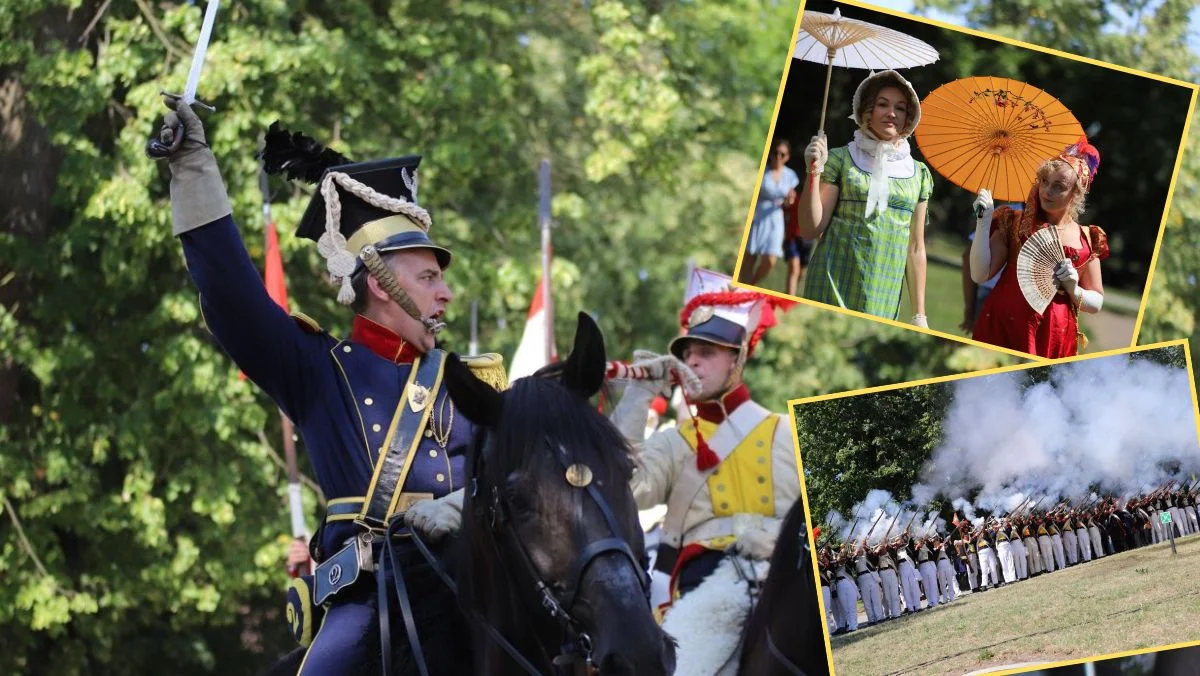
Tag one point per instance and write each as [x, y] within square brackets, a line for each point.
[993, 132]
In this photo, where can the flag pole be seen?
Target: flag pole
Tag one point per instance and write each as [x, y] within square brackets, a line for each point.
[295, 503]
[473, 346]
[544, 224]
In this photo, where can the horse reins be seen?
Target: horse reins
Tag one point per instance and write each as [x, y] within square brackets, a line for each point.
[579, 645]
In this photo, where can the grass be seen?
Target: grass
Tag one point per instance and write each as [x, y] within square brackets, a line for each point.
[1135, 600]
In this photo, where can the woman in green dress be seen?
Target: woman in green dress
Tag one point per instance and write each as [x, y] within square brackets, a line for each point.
[867, 203]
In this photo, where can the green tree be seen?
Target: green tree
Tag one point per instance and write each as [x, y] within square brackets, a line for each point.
[851, 445]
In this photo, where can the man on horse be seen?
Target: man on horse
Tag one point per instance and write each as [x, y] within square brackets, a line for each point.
[382, 435]
[727, 475]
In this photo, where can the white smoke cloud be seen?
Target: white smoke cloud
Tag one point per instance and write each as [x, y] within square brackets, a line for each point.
[1124, 426]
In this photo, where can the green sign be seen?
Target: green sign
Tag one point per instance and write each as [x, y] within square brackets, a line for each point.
[1165, 517]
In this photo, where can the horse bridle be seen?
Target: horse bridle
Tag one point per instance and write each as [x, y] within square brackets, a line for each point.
[559, 608]
[579, 645]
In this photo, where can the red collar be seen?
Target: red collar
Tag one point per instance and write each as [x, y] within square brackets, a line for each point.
[382, 341]
[712, 410]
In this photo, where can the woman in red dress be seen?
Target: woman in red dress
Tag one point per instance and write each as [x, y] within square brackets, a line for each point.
[1055, 201]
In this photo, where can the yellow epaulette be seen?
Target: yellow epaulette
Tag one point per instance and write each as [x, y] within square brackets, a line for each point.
[489, 368]
[307, 323]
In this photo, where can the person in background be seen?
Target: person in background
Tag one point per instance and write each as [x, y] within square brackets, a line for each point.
[765, 246]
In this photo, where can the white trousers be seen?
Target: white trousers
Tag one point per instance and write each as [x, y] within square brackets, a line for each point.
[830, 622]
[909, 586]
[891, 592]
[990, 572]
[1071, 547]
[1097, 547]
[1034, 556]
[1007, 564]
[847, 602]
[1060, 560]
[1047, 550]
[1157, 526]
[929, 583]
[1085, 544]
[945, 575]
[1020, 559]
[973, 570]
[872, 595]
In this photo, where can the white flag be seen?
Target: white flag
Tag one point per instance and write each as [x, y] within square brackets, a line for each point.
[531, 353]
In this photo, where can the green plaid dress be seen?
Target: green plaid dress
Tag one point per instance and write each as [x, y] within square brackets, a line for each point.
[859, 264]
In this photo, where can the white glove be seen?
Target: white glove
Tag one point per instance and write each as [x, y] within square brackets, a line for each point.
[921, 321]
[756, 535]
[438, 517]
[981, 246]
[1066, 276]
[816, 153]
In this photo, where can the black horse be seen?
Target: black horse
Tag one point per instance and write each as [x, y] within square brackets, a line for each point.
[554, 558]
[550, 572]
[784, 635]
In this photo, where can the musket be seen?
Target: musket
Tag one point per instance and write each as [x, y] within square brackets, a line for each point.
[1034, 506]
[1016, 510]
[158, 148]
[873, 524]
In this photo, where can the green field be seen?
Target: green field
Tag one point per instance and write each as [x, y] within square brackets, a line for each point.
[1131, 601]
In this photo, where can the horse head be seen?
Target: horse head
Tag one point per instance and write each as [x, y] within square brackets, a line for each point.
[555, 551]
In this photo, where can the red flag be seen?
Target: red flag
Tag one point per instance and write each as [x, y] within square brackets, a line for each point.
[531, 352]
[273, 272]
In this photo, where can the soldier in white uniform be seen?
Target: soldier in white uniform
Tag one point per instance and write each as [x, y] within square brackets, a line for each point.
[728, 473]
[1020, 558]
[1045, 545]
[909, 580]
[847, 595]
[945, 572]
[1060, 560]
[1082, 539]
[826, 595]
[990, 571]
[1004, 549]
[1094, 534]
[1070, 543]
[1032, 554]
[889, 580]
[869, 588]
[928, 569]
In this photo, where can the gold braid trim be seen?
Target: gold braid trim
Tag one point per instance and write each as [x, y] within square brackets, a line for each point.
[489, 368]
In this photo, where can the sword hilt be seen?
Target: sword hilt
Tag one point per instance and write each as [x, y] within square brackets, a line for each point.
[165, 144]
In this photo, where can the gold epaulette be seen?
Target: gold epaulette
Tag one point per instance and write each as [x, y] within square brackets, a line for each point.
[489, 368]
[307, 323]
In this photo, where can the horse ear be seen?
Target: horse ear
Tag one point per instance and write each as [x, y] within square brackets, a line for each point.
[475, 399]
[583, 372]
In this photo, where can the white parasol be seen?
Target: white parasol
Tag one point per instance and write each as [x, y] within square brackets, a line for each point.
[834, 40]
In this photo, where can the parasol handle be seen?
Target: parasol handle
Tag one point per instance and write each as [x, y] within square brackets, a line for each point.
[831, 53]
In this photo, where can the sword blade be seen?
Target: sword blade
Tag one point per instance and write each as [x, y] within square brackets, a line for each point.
[210, 16]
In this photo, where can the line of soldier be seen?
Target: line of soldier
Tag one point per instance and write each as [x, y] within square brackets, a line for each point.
[892, 576]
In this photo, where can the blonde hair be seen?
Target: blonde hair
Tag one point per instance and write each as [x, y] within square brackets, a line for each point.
[1079, 200]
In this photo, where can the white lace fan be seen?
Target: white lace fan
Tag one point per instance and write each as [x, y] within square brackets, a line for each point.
[1036, 261]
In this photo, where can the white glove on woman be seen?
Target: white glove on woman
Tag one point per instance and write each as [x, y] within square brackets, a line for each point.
[1066, 276]
[981, 246]
[816, 153]
[756, 535]
[438, 517]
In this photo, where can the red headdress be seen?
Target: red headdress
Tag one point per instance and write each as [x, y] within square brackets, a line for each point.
[1084, 159]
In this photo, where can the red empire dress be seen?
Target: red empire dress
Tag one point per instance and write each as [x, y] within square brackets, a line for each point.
[1006, 318]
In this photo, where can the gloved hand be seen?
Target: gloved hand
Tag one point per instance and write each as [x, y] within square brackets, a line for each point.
[756, 535]
[438, 517]
[816, 153]
[1066, 276]
[981, 246]
[198, 194]
[921, 321]
[984, 201]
